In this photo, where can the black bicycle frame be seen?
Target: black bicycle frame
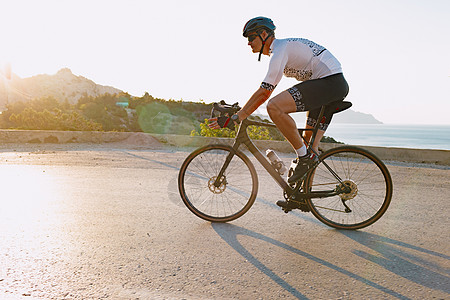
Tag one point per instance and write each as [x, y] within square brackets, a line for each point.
[243, 138]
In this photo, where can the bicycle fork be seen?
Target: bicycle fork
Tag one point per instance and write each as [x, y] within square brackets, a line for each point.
[221, 179]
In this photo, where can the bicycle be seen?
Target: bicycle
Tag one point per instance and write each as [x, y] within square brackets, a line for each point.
[347, 188]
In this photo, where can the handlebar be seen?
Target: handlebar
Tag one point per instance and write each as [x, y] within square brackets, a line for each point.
[225, 109]
[230, 109]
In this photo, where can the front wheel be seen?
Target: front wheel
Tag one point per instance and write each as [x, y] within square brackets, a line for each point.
[218, 199]
[365, 179]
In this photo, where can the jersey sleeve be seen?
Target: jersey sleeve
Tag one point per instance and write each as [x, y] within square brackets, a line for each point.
[276, 68]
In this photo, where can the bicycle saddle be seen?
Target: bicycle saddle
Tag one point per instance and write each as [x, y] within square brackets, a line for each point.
[338, 106]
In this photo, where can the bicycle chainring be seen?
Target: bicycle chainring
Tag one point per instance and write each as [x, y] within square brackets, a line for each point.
[302, 205]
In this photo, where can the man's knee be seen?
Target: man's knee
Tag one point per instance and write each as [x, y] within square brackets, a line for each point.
[281, 104]
[272, 108]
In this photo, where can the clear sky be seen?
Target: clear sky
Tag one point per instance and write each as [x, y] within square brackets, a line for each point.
[395, 53]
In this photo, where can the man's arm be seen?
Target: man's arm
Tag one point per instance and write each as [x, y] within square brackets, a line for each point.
[258, 98]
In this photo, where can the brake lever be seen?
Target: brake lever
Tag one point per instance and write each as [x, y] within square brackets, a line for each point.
[224, 108]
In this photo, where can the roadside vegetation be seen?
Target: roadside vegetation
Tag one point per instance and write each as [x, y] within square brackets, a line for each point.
[122, 112]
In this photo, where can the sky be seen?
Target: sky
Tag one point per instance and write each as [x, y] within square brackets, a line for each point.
[395, 53]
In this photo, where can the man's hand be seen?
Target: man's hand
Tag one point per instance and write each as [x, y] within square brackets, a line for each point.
[221, 122]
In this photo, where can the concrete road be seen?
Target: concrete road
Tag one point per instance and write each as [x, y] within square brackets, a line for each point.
[89, 222]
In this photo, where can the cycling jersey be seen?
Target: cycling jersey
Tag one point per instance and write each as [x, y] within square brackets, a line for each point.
[299, 58]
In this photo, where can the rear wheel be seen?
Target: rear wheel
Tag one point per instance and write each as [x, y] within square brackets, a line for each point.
[366, 181]
[223, 202]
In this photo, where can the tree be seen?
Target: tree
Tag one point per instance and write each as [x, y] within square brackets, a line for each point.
[30, 119]
[254, 132]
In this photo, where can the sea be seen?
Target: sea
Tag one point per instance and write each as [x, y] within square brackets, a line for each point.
[385, 135]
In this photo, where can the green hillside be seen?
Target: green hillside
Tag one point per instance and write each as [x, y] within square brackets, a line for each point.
[121, 112]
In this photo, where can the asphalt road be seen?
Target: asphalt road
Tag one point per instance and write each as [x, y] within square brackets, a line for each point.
[90, 222]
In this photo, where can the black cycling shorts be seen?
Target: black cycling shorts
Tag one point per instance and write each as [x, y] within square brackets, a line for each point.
[310, 95]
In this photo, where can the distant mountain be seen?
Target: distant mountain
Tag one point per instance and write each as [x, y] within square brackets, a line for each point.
[63, 85]
[350, 116]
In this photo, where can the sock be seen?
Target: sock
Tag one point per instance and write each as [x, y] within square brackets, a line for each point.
[302, 151]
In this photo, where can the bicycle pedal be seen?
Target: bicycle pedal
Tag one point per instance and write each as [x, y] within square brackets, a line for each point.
[286, 206]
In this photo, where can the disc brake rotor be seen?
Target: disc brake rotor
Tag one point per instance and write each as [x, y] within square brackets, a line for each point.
[217, 189]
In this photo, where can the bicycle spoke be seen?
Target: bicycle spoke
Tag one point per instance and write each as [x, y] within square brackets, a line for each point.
[212, 198]
[369, 185]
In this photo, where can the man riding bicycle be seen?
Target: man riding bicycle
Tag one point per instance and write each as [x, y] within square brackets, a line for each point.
[322, 82]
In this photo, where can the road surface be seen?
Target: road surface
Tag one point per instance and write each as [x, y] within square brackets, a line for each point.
[93, 222]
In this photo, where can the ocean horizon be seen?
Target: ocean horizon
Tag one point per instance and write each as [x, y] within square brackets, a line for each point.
[392, 135]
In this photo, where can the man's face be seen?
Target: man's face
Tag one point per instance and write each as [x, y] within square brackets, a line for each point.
[254, 42]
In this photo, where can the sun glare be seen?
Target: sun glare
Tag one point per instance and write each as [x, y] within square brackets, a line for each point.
[27, 199]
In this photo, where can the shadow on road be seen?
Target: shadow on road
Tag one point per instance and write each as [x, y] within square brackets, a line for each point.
[397, 260]
[229, 233]
[395, 256]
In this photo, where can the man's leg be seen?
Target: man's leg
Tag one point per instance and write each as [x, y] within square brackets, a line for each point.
[279, 108]
[307, 135]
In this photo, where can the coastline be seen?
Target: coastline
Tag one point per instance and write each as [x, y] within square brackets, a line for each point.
[393, 135]
[67, 140]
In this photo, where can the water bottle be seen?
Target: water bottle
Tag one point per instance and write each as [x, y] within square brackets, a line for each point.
[277, 163]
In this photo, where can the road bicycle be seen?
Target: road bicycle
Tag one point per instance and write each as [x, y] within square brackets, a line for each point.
[348, 187]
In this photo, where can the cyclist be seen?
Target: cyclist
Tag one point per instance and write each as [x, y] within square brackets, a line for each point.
[322, 82]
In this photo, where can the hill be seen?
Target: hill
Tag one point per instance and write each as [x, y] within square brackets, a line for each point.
[63, 85]
[348, 116]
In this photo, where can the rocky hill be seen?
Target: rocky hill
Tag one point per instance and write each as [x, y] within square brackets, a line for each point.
[63, 85]
[348, 116]
[355, 117]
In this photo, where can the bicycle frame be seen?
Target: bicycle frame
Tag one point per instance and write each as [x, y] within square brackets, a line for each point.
[293, 192]
[219, 183]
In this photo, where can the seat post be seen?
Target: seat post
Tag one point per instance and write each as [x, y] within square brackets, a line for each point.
[316, 127]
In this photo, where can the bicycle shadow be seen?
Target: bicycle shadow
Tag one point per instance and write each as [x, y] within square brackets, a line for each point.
[230, 233]
[395, 253]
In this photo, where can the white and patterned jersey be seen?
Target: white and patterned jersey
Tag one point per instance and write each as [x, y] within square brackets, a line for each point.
[301, 59]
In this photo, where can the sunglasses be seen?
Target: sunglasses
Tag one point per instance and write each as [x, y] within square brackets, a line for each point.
[252, 37]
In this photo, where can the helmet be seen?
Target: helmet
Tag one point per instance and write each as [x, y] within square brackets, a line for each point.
[258, 23]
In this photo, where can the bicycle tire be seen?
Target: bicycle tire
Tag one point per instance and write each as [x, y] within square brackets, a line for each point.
[370, 183]
[232, 199]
